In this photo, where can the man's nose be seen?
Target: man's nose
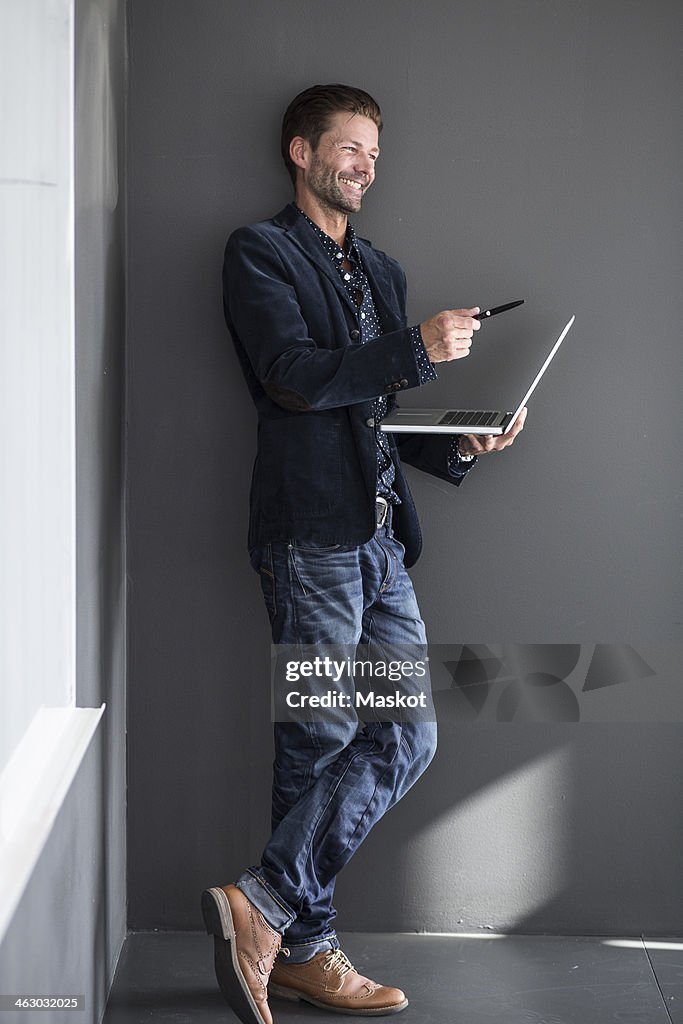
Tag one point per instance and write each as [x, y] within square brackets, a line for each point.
[364, 165]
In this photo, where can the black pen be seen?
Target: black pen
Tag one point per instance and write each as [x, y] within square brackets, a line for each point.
[497, 309]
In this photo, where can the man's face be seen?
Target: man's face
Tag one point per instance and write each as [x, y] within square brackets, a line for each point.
[342, 168]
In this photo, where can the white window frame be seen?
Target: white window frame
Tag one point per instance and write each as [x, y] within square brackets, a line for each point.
[45, 736]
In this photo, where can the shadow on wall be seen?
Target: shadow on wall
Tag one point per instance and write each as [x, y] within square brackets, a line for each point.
[520, 832]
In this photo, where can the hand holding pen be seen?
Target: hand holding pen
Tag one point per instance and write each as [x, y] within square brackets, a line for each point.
[448, 335]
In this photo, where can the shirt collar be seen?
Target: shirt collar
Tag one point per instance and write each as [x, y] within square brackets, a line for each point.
[331, 247]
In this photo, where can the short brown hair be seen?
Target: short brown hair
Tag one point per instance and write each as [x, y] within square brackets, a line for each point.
[309, 115]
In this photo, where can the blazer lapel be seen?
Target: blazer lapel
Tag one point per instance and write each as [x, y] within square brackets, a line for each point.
[302, 235]
[376, 269]
[381, 286]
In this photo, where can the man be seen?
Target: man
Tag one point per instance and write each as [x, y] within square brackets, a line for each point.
[318, 319]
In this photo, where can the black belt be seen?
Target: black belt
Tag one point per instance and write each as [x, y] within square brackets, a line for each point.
[382, 512]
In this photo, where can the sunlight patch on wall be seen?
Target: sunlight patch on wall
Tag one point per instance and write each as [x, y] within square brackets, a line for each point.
[502, 850]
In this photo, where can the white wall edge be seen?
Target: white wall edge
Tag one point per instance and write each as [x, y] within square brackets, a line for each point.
[33, 787]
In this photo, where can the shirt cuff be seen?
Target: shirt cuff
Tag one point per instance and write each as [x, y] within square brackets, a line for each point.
[456, 467]
[424, 367]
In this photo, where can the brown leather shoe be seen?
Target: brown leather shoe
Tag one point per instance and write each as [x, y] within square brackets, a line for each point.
[245, 947]
[330, 981]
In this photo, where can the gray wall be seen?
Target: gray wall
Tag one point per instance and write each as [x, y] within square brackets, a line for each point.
[531, 150]
[69, 927]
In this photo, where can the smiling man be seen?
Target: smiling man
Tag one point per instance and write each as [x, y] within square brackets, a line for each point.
[318, 319]
[343, 167]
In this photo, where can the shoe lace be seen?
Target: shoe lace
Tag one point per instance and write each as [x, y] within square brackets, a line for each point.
[338, 961]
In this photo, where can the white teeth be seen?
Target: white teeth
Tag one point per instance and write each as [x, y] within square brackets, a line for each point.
[354, 184]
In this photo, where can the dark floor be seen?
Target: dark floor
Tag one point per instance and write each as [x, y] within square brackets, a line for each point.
[168, 976]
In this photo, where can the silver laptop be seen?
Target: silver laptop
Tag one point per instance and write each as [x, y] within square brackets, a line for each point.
[465, 421]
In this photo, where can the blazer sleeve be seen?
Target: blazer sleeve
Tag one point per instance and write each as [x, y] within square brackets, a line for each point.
[431, 453]
[298, 372]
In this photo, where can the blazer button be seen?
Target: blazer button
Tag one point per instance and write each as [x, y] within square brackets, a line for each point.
[404, 382]
[370, 422]
[355, 335]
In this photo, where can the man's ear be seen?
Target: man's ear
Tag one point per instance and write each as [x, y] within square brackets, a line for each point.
[299, 151]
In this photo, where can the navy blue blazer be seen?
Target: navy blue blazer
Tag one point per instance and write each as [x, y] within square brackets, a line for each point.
[297, 337]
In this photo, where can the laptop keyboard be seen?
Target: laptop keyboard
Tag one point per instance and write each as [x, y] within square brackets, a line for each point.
[467, 418]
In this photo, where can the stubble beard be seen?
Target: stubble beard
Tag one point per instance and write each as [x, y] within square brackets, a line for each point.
[324, 186]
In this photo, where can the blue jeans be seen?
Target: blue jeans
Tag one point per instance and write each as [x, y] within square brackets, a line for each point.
[332, 779]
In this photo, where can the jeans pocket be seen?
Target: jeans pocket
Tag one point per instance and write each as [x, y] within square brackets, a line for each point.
[314, 569]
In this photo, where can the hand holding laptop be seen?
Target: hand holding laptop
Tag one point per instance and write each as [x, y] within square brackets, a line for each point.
[480, 444]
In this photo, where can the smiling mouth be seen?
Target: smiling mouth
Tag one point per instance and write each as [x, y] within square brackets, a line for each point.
[357, 185]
